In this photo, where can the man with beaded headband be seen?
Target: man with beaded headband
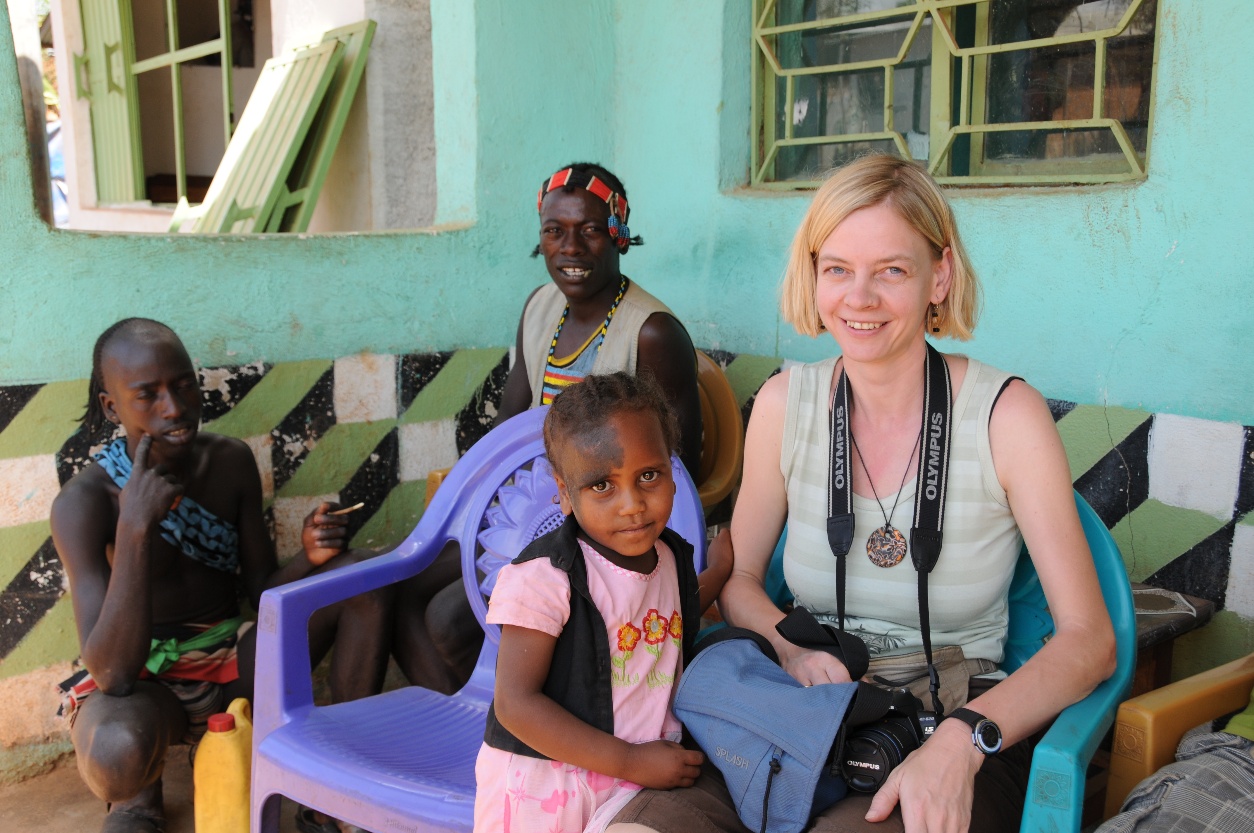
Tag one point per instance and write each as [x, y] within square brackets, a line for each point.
[590, 318]
[565, 331]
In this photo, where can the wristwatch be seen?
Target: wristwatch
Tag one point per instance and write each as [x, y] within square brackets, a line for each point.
[985, 734]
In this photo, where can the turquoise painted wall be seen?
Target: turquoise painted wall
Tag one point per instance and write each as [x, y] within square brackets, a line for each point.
[1126, 295]
[1133, 295]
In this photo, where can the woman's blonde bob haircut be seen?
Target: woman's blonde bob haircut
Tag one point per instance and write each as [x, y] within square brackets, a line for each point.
[865, 182]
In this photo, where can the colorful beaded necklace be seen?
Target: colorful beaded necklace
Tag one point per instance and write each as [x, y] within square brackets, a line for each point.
[605, 325]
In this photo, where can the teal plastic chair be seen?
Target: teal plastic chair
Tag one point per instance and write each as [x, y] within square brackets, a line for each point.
[1055, 799]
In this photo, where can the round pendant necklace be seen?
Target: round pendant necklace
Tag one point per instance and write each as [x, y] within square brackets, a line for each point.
[886, 546]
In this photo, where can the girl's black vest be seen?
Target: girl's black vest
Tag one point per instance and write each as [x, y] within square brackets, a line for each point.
[579, 676]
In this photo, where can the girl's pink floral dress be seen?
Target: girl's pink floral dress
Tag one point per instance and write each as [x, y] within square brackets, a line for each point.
[518, 794]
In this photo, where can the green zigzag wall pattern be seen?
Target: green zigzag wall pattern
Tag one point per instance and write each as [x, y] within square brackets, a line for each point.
[368, 428]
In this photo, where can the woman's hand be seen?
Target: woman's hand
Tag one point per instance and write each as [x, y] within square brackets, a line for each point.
[935, 785]
[814, 667]
[663, 765]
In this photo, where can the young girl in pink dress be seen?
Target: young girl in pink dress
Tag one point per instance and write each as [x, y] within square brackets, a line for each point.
[595, 620]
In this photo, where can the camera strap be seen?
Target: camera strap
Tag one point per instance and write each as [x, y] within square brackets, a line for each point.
[930, 486]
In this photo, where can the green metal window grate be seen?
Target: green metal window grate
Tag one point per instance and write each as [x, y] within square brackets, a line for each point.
[981, 91]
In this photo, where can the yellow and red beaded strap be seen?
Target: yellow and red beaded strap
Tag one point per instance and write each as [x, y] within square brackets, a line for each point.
[589, 182]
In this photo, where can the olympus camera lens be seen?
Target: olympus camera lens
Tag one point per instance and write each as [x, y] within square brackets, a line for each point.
[872, 751]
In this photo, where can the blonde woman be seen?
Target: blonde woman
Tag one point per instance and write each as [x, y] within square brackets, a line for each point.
[878, 265]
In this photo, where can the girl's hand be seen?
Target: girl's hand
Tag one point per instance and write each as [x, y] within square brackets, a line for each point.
[523, 663]
[324, 536]
[813, 667]
[935, 785]
[663, 765]
[719, 558]
[718, 568]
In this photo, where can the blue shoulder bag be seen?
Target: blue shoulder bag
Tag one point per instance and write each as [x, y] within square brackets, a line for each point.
[772, 738]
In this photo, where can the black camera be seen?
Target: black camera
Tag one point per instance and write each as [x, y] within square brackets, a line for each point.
[871, 751]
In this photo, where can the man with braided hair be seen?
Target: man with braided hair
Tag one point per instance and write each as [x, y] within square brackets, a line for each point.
[160, 537]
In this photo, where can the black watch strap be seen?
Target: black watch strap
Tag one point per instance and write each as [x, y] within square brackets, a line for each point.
[985, 734]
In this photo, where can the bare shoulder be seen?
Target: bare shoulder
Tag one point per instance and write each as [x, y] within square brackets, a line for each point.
[774, 391]
[219, 447]
[1025, 442]
[1019, 405]
[228, 463]
[769, 405]
[958, 365]
[663, 331]
[91, 487]
[84, 513]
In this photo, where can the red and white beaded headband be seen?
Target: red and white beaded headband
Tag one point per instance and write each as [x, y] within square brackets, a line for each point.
[569, 177]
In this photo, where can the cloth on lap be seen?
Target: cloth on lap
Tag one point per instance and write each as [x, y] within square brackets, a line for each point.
[194, 661]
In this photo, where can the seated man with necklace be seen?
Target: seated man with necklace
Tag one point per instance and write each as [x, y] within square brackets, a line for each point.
[590, 318]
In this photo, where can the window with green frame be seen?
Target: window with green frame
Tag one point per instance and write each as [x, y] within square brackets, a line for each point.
[135, 55]
[981, 91]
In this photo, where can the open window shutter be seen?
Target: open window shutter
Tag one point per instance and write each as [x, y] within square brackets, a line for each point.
[103, 77]
[299, 196]
[264, 146]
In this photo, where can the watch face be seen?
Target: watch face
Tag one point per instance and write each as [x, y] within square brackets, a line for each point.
[989, 736]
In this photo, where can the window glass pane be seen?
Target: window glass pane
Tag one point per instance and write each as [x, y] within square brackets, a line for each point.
[802, 11]
[148, 21]
[912, 92]
[1084, 153]
[828, 45]
[809, 163]
[1046, 84]
[1012, 21]
[1056, 83]
[835, 104]
[1129, 72]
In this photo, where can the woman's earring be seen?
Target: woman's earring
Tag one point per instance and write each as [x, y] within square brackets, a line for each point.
[935, 312]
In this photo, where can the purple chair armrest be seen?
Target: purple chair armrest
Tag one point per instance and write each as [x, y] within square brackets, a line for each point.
[283, 664]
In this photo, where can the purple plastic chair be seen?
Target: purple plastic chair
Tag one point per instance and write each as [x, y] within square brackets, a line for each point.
[405, 760]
